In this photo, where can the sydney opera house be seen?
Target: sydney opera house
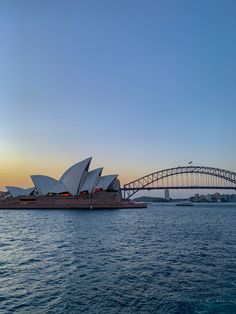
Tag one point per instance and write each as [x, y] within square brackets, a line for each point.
[78, 187]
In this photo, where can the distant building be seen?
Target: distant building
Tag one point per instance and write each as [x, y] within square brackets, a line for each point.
[167, 195]
[214, 198]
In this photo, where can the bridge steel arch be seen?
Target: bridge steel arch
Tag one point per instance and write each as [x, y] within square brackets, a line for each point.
[142, 183]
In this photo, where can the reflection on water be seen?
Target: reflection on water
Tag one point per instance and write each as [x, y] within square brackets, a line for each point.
[163, 259]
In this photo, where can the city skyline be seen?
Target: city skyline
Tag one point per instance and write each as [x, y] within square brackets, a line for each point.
[141, 87]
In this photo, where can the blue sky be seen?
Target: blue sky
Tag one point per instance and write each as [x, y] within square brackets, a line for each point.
[138, 85]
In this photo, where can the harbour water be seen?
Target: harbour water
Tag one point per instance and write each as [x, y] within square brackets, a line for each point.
[163, 259]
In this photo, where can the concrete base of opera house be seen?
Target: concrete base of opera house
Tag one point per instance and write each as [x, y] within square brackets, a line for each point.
[100, 200]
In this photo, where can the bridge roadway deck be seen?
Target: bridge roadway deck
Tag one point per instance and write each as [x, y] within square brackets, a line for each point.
[181, 187]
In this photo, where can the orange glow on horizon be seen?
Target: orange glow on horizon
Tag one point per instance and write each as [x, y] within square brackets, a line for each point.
[16, 167]
[18, 174]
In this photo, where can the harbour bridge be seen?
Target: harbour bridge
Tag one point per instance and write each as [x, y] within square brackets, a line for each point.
[187, 177]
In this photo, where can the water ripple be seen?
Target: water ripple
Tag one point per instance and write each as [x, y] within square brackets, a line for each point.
[160, 260]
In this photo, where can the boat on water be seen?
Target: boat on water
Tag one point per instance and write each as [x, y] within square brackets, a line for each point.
[184, 203]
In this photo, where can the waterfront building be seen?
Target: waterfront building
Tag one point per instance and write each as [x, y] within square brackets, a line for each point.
[167, 195]
[78, 187]
[75, 181]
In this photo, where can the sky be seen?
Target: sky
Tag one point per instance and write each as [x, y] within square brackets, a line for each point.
[139, 85]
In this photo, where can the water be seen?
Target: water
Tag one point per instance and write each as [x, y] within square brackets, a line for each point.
[164, 259]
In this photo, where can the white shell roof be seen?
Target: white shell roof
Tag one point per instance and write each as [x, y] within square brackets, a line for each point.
[76, 179]
[91, 180]
[59, 188]
[105, 181]
[115, 185]
[28, 191]
[16, 191]
[72, 177]
[43, 184]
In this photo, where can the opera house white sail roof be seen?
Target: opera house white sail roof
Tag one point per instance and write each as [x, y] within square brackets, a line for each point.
[90, 180]
[16, 191]
[75, 180]
[43, 184]
[105, 181]
[58, 188]
[72, 177]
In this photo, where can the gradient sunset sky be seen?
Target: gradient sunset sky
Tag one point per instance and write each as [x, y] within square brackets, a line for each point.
[139, 85]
